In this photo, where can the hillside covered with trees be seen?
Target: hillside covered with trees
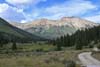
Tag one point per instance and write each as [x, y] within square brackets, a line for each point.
[87, 37]
[10, 33]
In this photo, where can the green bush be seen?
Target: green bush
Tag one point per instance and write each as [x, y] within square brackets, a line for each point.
[98, 46]
[78, 47]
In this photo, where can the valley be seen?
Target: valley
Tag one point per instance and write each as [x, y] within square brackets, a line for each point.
[49, 33]
[47, 45]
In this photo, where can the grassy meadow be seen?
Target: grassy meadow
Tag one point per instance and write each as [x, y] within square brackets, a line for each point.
[37, 55]
[48, 59]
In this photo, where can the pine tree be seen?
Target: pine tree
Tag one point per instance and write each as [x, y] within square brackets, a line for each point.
[14, 46]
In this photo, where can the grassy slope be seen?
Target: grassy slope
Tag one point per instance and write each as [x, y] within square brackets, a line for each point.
[4, 27]
[52, 32]
[9, 29]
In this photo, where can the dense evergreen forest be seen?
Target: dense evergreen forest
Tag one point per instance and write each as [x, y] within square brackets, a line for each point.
[6, 38]
[87, 37]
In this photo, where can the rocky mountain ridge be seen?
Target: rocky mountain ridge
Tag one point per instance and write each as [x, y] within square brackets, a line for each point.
[55, 28]
[69, 21]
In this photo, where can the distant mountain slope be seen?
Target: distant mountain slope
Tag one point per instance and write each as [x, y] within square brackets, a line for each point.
[9, 31]
[55, 28]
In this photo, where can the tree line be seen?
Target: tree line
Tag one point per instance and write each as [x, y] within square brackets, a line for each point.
[79, 39]
[6, 38]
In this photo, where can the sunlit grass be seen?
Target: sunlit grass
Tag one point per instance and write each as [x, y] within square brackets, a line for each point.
[48, 59]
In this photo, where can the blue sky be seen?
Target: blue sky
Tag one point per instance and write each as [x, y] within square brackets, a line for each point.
[29, 10]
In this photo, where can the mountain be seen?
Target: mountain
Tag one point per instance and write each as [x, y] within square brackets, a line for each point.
[55, 28]
[11, 32]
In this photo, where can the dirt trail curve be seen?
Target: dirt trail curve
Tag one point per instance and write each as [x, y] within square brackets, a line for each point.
[87, 60]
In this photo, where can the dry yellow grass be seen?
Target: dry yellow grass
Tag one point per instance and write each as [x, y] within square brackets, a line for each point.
[49, 59]
[96, 55]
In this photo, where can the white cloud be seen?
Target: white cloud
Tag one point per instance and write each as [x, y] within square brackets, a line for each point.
[11, 13]
[24, 4]
[23, 21]
[19, 10]
[95, 18]
[17, 2]
[71, 8]
[3, 7]
[29, 17]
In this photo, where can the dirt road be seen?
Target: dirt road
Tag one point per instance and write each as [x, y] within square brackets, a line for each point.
[87, 60]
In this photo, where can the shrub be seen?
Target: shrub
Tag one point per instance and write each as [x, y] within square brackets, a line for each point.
[14, 46]
[78, 47]
[70, 64]
[98, 46]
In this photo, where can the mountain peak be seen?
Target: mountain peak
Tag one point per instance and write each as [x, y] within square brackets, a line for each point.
[55, 28]
[67, 18]
[43, 19]
[70, 18]
[64, 21]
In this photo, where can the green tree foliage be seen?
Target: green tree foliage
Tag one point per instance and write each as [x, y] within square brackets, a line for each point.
[98, 46]
[3, 40]
[59, 47]
[14, 46]
[80, 38]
